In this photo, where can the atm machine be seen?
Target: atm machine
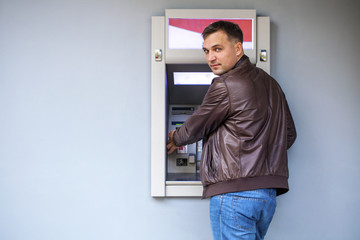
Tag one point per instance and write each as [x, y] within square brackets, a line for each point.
[180, 78]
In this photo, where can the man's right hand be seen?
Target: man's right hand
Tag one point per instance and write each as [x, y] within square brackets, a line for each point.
[170, 144]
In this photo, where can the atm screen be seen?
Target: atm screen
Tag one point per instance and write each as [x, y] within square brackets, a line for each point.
[187, 84]
[193, 78]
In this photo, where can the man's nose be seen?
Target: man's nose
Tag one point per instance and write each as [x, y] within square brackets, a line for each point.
[211, 57]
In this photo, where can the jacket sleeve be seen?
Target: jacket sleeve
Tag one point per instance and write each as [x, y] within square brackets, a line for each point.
[290, 125]
[208, 117]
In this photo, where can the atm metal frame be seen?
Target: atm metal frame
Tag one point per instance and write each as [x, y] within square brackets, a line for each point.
[160, 187]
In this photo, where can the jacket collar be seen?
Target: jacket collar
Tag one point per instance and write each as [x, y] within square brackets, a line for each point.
[243, 58]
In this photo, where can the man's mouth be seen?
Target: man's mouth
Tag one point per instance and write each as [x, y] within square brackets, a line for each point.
[214, 65]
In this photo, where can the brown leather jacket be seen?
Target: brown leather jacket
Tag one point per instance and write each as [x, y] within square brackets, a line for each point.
[247, 128]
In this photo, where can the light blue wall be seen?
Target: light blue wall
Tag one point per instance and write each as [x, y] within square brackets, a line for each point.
[75, 120]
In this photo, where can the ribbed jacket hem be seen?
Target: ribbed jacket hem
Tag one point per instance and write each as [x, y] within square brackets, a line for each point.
[280, 183]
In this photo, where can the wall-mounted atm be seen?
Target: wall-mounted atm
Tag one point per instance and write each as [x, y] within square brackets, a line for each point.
[180, 78]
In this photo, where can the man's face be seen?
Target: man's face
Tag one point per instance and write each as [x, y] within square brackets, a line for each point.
[221, 53]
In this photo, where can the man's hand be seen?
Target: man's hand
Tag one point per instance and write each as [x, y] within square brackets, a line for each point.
[170, 144]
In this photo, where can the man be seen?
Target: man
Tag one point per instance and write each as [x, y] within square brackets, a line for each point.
[247, 128]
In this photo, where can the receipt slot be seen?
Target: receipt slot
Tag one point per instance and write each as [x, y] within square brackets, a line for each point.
[180, 78]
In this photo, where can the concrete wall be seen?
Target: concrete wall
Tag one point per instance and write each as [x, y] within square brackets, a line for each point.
[75, 120]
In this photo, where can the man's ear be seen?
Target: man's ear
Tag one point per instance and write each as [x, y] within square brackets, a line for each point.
[239, 49]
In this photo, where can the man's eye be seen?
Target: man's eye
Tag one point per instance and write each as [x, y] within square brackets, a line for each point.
[206, 51]
[217, 49]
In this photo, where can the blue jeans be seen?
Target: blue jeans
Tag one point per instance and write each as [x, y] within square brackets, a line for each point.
[242, 215]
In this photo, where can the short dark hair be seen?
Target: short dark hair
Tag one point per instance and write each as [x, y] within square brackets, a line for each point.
[232, 30]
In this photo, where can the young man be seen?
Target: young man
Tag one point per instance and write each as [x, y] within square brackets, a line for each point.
[247, 128]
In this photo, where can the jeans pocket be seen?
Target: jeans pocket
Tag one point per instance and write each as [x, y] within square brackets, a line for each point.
[246, 212]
